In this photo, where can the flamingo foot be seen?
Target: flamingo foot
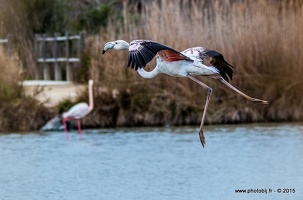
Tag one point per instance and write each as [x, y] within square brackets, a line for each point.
[260, 101]
[202, 138]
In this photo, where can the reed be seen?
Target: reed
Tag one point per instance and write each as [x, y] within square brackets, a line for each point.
[17, 111]
[260, 38]
[11, 74]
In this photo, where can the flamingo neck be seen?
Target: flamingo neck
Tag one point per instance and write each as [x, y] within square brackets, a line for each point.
[91, 98]
[146, 74]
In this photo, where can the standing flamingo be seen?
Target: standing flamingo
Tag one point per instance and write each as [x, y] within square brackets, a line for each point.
[79, 110]
[188, 63]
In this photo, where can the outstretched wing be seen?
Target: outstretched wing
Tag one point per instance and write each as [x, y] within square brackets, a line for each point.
[143, 51]
[217, 60]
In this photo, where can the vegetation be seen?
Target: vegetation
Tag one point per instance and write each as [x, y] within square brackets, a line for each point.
[26, 18]
[17, 112]
[260, 38]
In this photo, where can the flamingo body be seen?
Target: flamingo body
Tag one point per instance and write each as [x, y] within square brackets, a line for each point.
[183, 68]
[196, 61]
[79, 111]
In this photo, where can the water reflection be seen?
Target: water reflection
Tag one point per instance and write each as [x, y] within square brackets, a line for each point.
[153, 163]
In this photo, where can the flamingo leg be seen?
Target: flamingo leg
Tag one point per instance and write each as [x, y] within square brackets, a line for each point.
[209, 92]
[79, 128]
[239, 92]
[65, 128]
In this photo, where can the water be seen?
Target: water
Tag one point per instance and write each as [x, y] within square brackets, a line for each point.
[154, 163]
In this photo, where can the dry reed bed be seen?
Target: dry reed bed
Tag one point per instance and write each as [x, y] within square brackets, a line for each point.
[17, 112]
[260, 38]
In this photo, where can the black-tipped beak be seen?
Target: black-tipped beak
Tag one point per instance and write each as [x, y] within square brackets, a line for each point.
[108, 46]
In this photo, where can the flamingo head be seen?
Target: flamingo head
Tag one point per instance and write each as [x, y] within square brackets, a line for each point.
[117, 45]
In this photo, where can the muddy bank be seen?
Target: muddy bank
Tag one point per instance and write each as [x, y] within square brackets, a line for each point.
[136, 107]
[26, 114]
[144, 104]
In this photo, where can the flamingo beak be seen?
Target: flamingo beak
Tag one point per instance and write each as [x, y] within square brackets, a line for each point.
[108, 46]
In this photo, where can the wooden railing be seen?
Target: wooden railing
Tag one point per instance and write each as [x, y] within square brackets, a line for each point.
[58, 56]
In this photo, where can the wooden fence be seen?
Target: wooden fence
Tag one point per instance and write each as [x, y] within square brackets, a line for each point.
[58, 56]
[7, 44]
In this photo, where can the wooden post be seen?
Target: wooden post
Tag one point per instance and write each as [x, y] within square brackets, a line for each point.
[69, 72]
[58, 75]
[9, 49]
[37, 76]
[2, 29]
[46, 75]
[81, 44]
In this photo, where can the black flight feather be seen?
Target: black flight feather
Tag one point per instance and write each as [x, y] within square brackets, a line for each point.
[217, 60]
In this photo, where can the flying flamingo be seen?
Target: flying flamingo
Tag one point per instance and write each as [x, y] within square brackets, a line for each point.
[79, 110]
[188, 63]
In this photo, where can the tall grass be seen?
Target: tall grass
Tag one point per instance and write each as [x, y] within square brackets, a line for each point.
[261, 38]
[17, 112]
[11, 74]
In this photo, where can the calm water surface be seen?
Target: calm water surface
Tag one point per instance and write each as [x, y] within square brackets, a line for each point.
[154, 163]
